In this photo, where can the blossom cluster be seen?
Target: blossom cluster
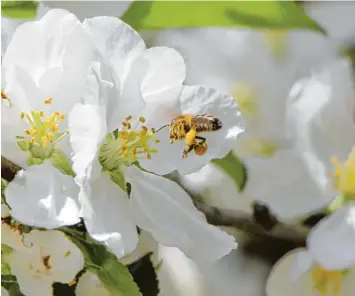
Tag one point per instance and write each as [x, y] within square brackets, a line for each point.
[87, 114]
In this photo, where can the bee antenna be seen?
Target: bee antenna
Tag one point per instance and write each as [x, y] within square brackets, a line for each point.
[162, 128]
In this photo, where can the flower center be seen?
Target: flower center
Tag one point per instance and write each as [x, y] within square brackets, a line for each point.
[344, 175]
[128, 145]
[327, 282]
[44, 130]
[246, 99]
[276, 41]
[260, 147]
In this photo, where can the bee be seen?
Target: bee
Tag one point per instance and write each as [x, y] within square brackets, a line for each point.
[187, 127]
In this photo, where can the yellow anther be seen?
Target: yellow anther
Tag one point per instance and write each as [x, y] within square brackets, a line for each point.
[28, 131]
[144, 128]
[124, 123]
[22, 115]
[128, 125]
[3, 95]
[153, 130]
[156, 141]
[128, 118]
[50, 136]
[327, 282]
[148, 156]
[33, 140]
[344, 174]
[34, 132]
[48, 101]
[62, 116]
[142, 119]
[67, 132]
[54, 127]
[41, 113]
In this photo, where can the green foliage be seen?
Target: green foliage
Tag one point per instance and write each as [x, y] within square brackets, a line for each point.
[252, 14]
[113, 274]
[234, 168]
[60, 160]
[9, 282]
[19, 9]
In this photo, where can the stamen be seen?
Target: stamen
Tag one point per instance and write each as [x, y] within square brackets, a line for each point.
[3, 95]
[128, 118]
[142, 119]
[22, 115]
[327, 282]
[344, 174]
[48, 101]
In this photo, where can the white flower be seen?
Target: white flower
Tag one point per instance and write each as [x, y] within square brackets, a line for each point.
[257, 67]
[45, 257]
[40, 85]
[331, 243]
[321, 120]
[156, 204]
[336, 18]
[315, 282]
[89, 9]
[52, 202]
[216, 188]
[90, 285]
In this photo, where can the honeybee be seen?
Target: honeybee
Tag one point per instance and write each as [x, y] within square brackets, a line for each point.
[186, 127]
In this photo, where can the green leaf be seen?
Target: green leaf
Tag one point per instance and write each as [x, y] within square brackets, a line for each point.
[9, 282]
[19, 9]
[234, 168]
[112, 273]
[152, 15]
[60, 160]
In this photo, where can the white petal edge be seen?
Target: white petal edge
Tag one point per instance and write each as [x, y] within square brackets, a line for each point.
[105, 212]
[42, 196]
[163, 208]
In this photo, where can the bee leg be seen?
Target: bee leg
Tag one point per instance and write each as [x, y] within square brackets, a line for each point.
[203, 140]
[190, 142]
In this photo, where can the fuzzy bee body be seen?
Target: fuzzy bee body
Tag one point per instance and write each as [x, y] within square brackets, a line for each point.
[186, 127]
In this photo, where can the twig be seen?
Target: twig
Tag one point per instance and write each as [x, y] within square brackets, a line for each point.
[8, 169]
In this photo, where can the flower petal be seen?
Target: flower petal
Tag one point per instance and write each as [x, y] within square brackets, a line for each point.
[280, 282]
[163, 68]
[90, 285]
[87, 122]
[321, 118]
[42, 50]
[332, 241]
[288, 189]
[161, 207]
[105, 212]
[44, 197]
[196, 100]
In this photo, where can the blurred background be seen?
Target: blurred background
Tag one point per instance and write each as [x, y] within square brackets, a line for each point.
[243, 62]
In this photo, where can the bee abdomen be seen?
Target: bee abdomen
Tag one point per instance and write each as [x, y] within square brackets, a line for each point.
[216, 124]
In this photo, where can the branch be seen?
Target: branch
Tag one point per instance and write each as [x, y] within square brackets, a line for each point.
[8, 169]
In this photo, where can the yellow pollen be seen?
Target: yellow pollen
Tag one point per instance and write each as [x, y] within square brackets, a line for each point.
[344, 174]
[157, 141]
[128, 118]
[128, 125]
[142, 119]
[124, 123]
[246, 99]
[48, 101]
[3, 95]
[43, 129]
[149, 156]
[327, 282]
[153, 130]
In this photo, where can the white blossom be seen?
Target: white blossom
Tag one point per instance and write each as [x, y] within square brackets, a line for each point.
[44, 257]
[90, 285]
[140, 87]
[316, 281]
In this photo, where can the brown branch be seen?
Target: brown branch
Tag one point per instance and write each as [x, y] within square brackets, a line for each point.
[8, 169]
